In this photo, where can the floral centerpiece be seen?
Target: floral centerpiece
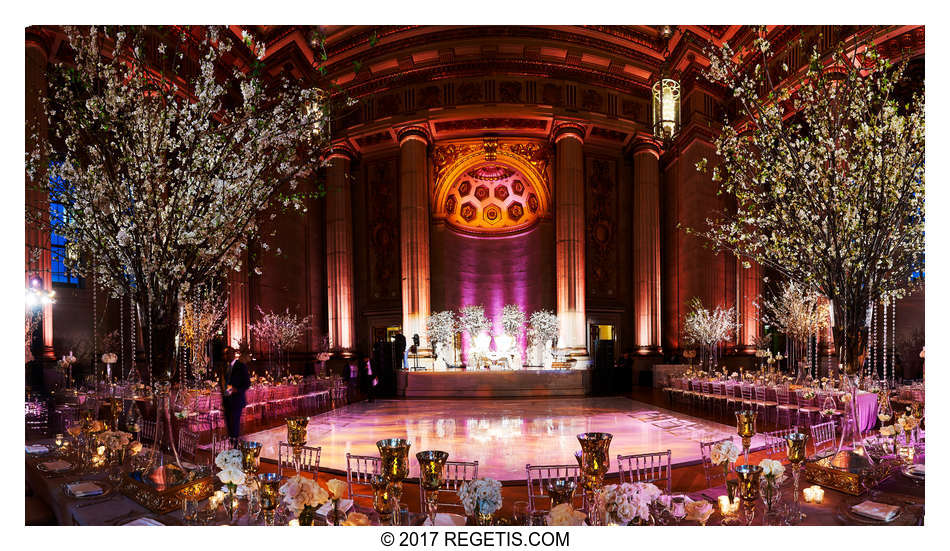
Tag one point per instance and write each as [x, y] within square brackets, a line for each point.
[202, 315]
[629, 502]
[773, 474]
[724, 454]
[280, 332]
[708, 328]
[481, 497]
[565, 515]
[231, 463]
[337, 489]
[302, 496]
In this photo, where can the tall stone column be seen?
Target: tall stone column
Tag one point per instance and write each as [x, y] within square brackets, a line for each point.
[340, 252]
[238, 305]
[646, 244]
[414, 233]
[38, 261]
[747, 299]
[569, 223]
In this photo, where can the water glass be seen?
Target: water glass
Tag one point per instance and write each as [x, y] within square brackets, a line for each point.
[539, 518]
[520, 513]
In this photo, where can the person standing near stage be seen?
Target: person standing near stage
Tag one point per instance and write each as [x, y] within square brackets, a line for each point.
[367, 380]
[234, 385]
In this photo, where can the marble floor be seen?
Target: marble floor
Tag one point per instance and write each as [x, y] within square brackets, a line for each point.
[502, 434]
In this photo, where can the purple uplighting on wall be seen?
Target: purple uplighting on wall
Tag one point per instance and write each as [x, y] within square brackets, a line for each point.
[493, 272]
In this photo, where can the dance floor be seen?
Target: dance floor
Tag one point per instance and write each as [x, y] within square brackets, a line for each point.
[502, 434]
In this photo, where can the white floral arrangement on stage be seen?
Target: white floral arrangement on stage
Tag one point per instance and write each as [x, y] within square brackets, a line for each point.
[300, 492]
[472, 320]
[565, 515]
[628, 501]
[115, 440]
[482, 495]
[513, 320]
[543, 326]
[441, 327]
[232, 468]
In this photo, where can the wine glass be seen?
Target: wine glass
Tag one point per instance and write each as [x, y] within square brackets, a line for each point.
[520, 513]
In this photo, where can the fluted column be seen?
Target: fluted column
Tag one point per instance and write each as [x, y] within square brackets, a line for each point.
[414, 228]
[340, 252]
[569, 222]
[238, 313]
[38, 261]
[750, 287]
[646, 244]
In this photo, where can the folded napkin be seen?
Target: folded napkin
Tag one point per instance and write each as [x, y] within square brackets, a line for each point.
[344, 506]
[55, 466]
[36, 448]
[84, 489]
[875, 510]
[918, 469]
[144, 521]
[446, 519]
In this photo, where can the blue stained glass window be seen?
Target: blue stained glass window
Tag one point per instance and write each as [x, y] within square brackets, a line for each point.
[59, 247]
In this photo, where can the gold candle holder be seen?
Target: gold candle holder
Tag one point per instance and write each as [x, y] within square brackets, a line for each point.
[595, 462]
[297, 437]
[749, 488]
[795, 449]
[431, 478]
[560, 490]
[745, 426]
[250, 457]
[270, 495]
[382, 501]
[394, 456]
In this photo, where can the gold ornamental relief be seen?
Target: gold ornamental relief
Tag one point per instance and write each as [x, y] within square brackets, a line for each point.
[491, 186]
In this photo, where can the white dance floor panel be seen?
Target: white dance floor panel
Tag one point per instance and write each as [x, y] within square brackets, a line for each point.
[503, 435]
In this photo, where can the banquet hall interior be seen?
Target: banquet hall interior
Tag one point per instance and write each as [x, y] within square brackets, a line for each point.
[474, 275]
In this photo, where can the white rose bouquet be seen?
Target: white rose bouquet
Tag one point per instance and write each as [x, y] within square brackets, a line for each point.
[723, 454]
[232, 468]
[773, 474]
[300, 492]
[480, 496]
[627, 502]
[565, 515]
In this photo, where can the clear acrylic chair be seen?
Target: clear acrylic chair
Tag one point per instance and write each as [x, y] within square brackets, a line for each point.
[309, 458]
[775, 442]
[714, 473]
[360, 469]
[538, 476]
[456, 473]
[650, 467]
[784, 406]
[187, 444]
[822, 434]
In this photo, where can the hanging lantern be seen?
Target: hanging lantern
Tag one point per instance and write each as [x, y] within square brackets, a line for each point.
[666, 108]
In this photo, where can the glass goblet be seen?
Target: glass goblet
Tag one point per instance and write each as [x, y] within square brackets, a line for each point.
[520, 513]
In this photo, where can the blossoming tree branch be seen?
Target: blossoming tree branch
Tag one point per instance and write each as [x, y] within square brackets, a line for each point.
[827, 169]
[166, 146]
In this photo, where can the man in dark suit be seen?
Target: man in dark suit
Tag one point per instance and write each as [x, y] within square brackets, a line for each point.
[236, 381]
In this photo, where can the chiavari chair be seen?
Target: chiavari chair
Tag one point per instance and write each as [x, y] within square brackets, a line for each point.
[456, 473]
[360, 469]
[822, 434]
[647, 467]
[309, 458]
[714, 473]
[538, 476]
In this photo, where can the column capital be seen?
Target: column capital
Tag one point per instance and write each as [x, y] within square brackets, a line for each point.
[342, 150]
[568, 129]
[645, 143]
[415, 132]
[36, 40]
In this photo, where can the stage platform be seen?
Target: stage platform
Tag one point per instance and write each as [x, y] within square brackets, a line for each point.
[522, 383]
[502, 434]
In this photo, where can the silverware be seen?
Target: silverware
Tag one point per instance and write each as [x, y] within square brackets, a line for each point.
[94, 502]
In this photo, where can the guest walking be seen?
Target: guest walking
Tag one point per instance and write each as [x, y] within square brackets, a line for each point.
[235, 383]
